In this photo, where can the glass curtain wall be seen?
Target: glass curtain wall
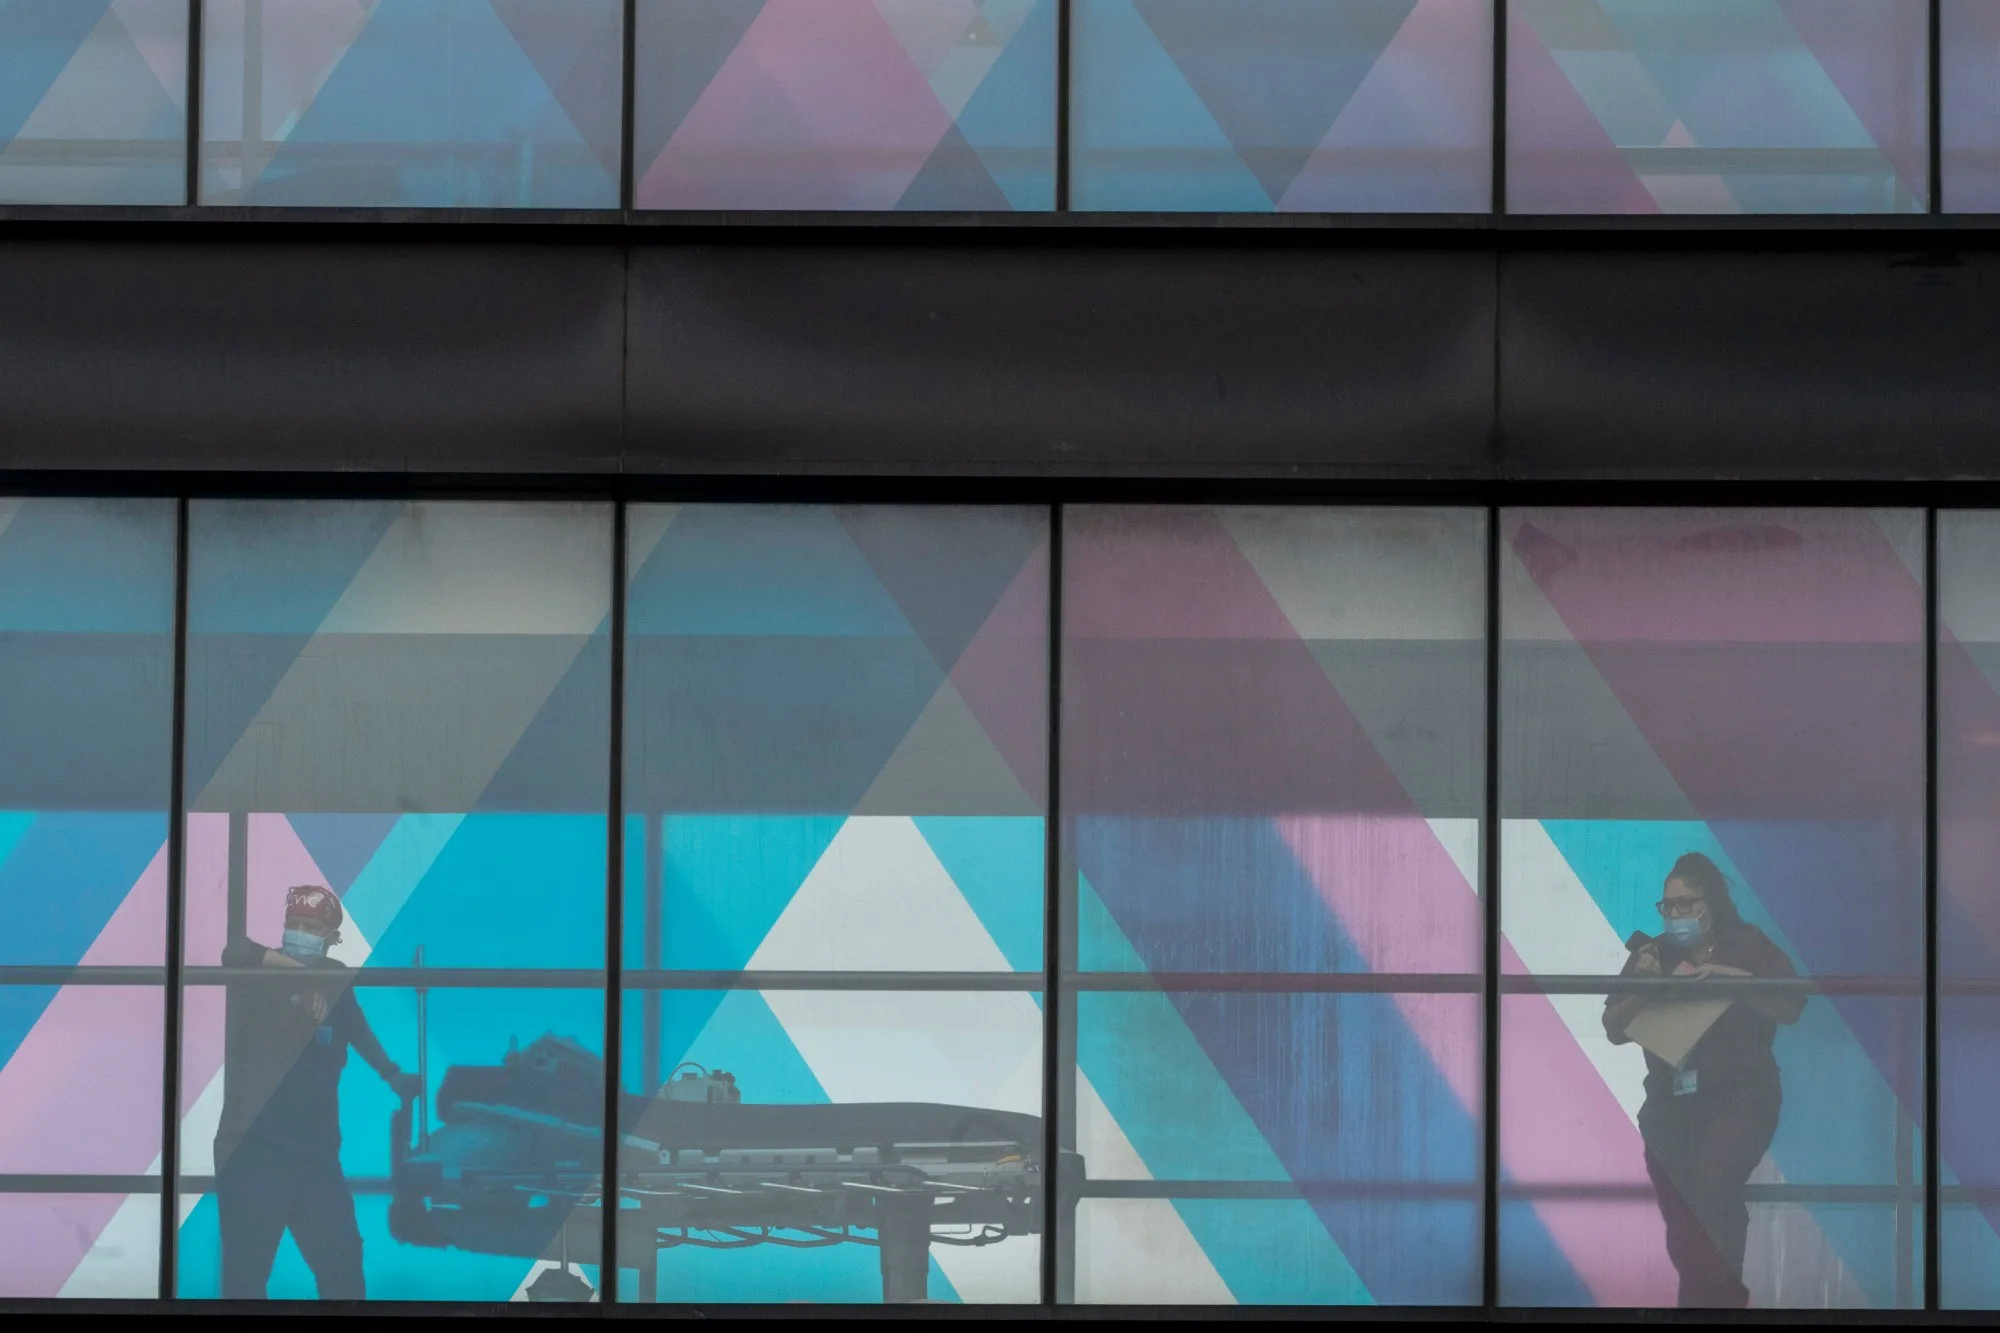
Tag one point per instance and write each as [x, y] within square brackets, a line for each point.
[1712, 782]
[1268, 885]
[1272, 763]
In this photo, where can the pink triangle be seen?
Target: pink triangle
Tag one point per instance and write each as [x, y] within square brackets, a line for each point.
[1560, 159]
[1678, 137]
[818, 106]
[1427, 103]
[77, 1099]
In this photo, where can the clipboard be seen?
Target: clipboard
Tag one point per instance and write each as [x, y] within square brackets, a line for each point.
[1671, 1030]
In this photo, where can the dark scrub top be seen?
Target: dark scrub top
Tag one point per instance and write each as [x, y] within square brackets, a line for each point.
[1734, 1055]
[281, 1083]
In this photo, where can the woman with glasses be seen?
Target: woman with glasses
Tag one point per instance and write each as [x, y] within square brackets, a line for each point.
[1708, 1121]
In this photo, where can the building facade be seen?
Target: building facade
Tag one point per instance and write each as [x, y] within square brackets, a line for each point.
[1056, 652]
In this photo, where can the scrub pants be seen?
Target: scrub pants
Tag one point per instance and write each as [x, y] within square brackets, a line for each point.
[261, 1190]
[1700, 1153]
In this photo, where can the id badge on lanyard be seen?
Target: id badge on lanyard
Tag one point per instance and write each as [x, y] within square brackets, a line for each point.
[1685, 1083]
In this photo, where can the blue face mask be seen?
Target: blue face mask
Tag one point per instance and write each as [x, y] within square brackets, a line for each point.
[1684, 930]
[303, 944]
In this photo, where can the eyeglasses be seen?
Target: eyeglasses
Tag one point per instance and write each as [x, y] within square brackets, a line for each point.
[1680, 906]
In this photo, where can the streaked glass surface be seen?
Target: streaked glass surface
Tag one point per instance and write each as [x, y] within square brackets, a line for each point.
[1272, 765]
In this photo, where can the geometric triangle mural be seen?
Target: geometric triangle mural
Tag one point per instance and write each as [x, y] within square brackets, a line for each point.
[846, 104]
[412, 103]
[1717, 106]
[1283, 105]
[93, 101]
[836, 731]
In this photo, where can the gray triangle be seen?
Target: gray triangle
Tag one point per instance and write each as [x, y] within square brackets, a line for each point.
[1423, 704]
[954, 180]
[946, 765]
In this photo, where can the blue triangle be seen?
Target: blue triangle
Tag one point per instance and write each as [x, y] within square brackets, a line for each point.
[438, 72]
[1014, 109]
[1130, 98]
[997, 862]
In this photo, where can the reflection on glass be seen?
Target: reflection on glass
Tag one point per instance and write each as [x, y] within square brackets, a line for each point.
[1712, 753]
[1717, 106]
[1372, 106]
[412, 103]
[1272, 760]
[1968, 796]
[845, 104]
[397, 744]
[86, 706]
[93, 102]
[836, 768]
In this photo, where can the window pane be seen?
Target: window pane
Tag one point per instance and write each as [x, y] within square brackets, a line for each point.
[1289, 105]
[407, 705]
[413, 103]
[1969, 904]
[1687, 694]
[86, 704]
[1272, 775]
[846, 104]
[1717, 106]
[1969, 48]
[836, 768]
[93, 102]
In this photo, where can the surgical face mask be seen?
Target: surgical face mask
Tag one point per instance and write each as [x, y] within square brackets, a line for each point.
[1685, 930]
[303, 944]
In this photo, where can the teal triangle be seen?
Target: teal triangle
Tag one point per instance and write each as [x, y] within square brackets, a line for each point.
[1100, 945]
[1149, 113]
[761, 570]
[38, 39]
[997, 862]
[1276, 74]
[729, 877]
[445, 72]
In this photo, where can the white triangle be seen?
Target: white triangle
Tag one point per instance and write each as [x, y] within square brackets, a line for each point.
[1132, 1251]
[878, 900]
